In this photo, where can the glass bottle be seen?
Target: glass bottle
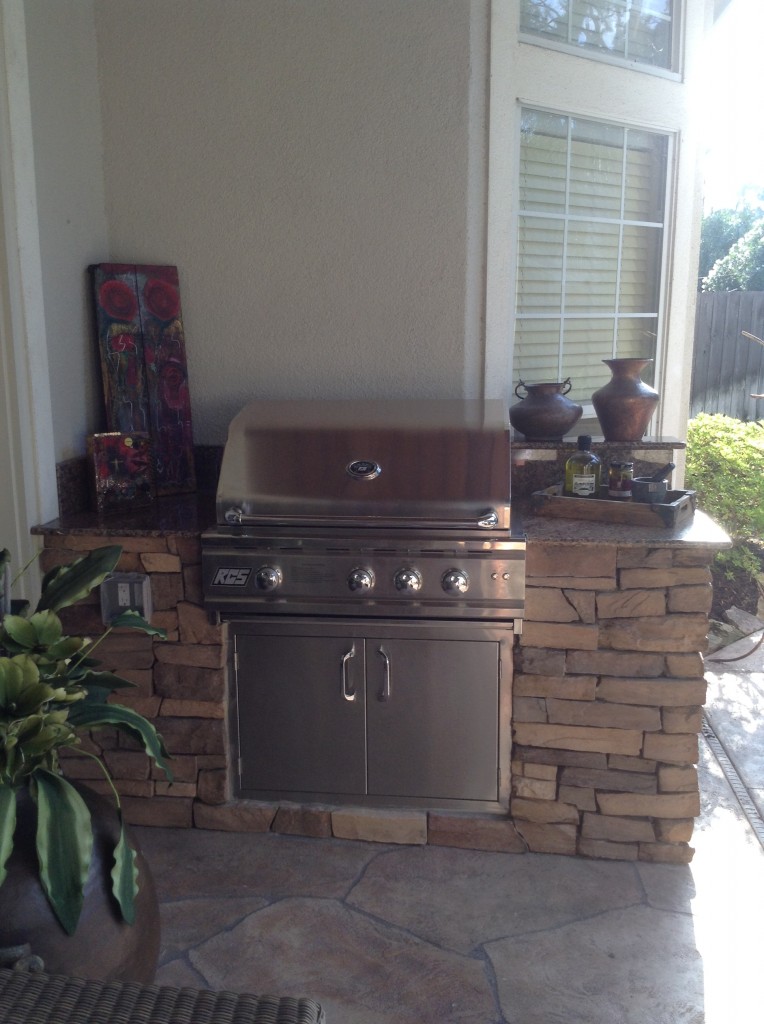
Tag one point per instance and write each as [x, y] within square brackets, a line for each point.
[582, 471]
[620, 477]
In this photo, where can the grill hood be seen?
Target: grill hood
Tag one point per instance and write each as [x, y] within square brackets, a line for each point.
[408, 463]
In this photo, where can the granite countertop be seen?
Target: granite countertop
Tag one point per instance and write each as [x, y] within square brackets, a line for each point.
[536, 465]
[183, 514]
[700, 531]
[192, 514]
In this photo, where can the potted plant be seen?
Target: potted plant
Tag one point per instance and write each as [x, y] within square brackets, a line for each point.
[52, 691]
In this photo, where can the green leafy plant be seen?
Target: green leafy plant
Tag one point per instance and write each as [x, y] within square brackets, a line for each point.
[725, 465]
[51, 690]
[738, 561]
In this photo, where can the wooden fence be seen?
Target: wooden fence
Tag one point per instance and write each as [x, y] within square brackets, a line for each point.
[728, 369]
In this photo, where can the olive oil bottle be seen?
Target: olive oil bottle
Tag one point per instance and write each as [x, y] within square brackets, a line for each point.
[583, 471]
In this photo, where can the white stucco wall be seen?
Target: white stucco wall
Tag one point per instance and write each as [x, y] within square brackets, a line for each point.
[317, 170]
[66, 125]
[307, 167]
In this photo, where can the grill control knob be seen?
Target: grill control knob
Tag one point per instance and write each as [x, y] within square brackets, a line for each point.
[361, 579]
[408, 579]
[268, 578]
[455, 581]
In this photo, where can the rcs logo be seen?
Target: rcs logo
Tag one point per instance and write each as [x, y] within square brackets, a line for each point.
[231, 577]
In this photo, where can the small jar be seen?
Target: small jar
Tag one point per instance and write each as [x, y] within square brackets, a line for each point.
[620, 476]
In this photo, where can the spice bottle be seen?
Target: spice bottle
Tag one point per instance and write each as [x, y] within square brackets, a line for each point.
[620, 477]
[582, 471]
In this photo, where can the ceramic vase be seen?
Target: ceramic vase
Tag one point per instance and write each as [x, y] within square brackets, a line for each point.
[104, 947]
[625, 404]
[543, 412]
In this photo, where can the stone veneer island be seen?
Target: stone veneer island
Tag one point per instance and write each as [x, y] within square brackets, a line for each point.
[606, 711]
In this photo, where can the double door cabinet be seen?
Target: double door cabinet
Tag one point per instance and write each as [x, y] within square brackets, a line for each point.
[372, 712]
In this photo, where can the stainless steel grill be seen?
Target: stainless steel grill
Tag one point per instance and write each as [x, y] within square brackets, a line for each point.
[372, 508]
[364, 558]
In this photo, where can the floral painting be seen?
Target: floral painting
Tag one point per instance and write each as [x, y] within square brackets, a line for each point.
[121, 470]
[143, 364]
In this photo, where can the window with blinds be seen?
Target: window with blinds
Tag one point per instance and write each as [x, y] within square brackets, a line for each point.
[589, 248]
[631, 30]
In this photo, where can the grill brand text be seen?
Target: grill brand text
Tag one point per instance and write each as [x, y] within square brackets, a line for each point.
[226, 577]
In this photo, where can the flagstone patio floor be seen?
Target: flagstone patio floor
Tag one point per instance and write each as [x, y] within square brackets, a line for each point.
[383, 934]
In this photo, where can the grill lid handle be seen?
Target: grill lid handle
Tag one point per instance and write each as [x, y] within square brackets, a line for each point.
[487, 520]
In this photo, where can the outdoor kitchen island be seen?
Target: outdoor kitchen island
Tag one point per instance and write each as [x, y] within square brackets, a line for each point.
[605, 702]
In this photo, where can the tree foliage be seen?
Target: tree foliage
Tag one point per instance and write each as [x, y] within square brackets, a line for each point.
[719, 232]
[742, 269]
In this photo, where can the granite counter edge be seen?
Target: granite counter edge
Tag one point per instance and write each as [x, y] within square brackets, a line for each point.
[700, 531]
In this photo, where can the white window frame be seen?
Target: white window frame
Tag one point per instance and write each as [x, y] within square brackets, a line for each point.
[668, 219]
[525, 75]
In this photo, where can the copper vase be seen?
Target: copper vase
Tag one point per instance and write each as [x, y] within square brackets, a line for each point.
[543, 412]
[625, 404]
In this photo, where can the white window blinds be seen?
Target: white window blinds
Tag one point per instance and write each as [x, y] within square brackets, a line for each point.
[590, 239]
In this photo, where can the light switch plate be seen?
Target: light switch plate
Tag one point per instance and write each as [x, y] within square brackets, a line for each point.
[125, 591]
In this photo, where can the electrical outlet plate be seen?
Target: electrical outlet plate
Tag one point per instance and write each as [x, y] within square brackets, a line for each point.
[125, 591]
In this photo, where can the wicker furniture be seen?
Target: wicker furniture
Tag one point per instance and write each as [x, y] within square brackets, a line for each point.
[38, 998]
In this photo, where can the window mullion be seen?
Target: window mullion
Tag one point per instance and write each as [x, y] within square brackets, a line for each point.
[619, 262]
[565, 238]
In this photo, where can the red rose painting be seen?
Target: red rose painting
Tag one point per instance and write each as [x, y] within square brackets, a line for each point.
[121, 349]
[118, 300]
[162, 300]
[143, 360]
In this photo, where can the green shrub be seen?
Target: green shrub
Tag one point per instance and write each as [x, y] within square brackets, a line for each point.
[725, 465]
[737, 562]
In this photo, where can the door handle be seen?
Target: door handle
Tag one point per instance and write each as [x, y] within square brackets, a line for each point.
[348, 690]
[384, 693]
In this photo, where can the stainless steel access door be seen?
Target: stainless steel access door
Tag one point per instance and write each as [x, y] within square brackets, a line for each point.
[382, 713]
[432, 710]
[301, 714]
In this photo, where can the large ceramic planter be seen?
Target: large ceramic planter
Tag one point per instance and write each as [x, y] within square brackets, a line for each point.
[104, 947]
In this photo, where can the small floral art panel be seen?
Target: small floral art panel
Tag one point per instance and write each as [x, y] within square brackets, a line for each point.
[122, 471]
[143, 364]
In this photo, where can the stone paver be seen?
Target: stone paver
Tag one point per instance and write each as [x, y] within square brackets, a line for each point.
[208, 863]
[728, 909]
[461, 899]
[383, 934]
[736, 713]
[362, 969]
[188, 923]
[625, 966]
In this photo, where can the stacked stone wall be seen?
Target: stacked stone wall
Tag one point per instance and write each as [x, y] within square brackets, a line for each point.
[607, 699]
[179, 684]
